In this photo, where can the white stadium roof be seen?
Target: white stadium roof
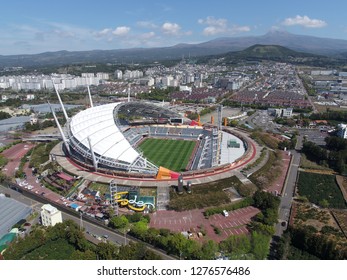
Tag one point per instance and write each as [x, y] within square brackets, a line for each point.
[106, 139]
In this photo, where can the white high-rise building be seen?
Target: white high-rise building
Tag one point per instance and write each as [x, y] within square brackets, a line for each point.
[118, 74]
[87, 75]
[102, 76]
[342, 130]
[50, 215]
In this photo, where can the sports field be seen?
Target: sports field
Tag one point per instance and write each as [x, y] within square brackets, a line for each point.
[172, 154]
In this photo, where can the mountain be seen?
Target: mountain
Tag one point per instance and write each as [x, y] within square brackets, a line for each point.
[268, 52]
[303, 43]
[300, 43]
[274, 53]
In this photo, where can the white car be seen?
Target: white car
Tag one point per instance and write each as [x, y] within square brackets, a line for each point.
[225, 213]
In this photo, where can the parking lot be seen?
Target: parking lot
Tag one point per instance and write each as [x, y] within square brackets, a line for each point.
[195, 221]
[314, 135]
[14, 155]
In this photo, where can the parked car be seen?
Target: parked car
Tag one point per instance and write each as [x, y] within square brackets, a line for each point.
[225, 213]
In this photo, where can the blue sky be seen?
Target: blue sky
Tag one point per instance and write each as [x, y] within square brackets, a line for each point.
[29, 27]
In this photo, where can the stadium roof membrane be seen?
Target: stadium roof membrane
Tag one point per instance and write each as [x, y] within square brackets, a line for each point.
[106, 139]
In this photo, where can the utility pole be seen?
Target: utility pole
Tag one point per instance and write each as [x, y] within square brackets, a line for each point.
[81, 221]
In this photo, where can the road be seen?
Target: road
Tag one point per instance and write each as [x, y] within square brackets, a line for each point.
[289, 188]
[93, 229]
[306, 93]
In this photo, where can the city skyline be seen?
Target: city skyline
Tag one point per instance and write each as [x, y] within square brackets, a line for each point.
[29, 28]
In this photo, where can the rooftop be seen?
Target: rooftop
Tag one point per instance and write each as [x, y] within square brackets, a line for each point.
[49, 208]
[11, 212]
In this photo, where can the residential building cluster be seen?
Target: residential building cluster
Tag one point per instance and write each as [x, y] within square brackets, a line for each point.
[61, 81]
[203, 95]
[196, 75]
[330, 85]
[277, 85]
[275, 99]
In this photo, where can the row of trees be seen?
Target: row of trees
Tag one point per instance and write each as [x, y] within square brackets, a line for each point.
[158, 94]
[330, 115]
[334, 155]
[39, 125]
[305, 242]
[66, 241]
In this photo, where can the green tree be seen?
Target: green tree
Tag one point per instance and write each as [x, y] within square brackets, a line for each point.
[324, 203]
[79, 255]
[262, 228]
[260, 245]
[236, 246]
[177, 244]
[208, 250]
[139, 229]
[136, 251]
[118, 222]
[106, 251]
[264, 200]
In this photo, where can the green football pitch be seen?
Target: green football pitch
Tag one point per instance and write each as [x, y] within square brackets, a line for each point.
[169, 153]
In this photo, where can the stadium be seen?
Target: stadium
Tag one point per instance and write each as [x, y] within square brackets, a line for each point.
[147, 141]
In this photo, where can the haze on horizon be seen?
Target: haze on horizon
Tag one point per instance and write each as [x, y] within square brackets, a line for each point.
[43, 26]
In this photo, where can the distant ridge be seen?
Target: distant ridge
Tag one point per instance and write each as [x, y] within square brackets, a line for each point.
[300, 43]
[268, 51]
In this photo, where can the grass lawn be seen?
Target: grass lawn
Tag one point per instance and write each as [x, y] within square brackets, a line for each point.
[102, 188]
[169, 153]
[204, 195]
[320, 187]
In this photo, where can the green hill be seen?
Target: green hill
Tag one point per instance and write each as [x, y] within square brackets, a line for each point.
[269, 52]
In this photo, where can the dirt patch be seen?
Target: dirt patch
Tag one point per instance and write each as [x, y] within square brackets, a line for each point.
[342, 182]
[341, 218]
[307, 214]
[277, 186]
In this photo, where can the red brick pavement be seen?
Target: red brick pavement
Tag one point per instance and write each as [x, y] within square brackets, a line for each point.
[14, 155]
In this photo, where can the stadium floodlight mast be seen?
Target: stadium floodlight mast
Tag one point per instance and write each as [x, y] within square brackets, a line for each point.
[67, 146]
[90, 97]
[129, 93]
[61, 102]
[95, 163]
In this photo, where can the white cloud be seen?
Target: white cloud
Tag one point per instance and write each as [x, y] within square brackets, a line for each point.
[170, 28]
[121, 31]
[221, 26]
[218, 22]
[64, 34]
[304, 21]
[146, 24]
[212, 30]
[147, 35]
[239, 29]
[105, 31]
